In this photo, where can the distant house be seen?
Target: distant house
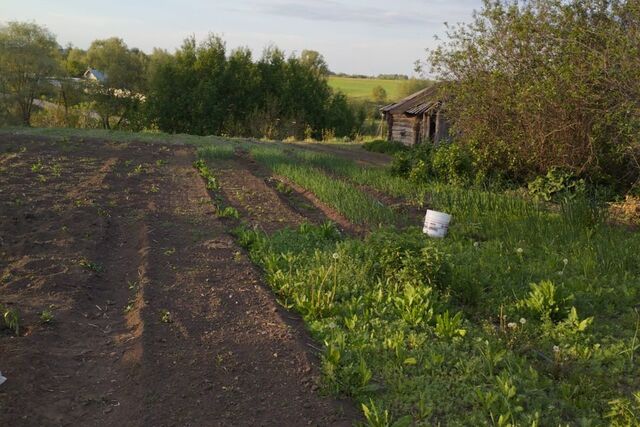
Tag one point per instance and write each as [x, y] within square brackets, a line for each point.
[95, 75]
[417, 118]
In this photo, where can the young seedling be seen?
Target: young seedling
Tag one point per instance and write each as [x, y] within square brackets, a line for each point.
[56, 170]
[170, 251]
[46, 317]
[91, 266]
[165, 316]
[37, 167]
[229, 212]
[130, 304]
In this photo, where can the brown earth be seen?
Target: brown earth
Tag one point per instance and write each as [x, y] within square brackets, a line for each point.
[272, 202]
[159, 319]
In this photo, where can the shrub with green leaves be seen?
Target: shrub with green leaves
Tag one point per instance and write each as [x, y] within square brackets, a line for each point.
[447, 163]
[535, 84]
[555, 185]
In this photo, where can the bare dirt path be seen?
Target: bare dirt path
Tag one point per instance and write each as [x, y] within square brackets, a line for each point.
[159, 319]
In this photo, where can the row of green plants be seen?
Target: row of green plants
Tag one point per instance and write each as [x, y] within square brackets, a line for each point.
[357, 206]
[212, 183]
[523, 315]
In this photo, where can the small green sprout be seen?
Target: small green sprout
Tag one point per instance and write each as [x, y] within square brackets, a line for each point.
[46, 316]
[165, 316]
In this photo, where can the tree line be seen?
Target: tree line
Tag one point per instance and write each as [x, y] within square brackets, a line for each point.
[201, 88]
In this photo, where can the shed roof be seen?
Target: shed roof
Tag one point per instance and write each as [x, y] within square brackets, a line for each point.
[417, 103]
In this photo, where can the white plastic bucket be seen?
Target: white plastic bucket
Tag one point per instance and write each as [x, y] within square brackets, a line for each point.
[436, 224]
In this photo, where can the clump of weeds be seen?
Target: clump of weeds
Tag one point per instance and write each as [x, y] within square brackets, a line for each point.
[91, 266]
[229, 212]
[46, 316]
[10, 319]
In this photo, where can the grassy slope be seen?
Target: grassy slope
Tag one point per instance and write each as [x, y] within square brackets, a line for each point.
[362, 88]
[413, 327]
[523, 315]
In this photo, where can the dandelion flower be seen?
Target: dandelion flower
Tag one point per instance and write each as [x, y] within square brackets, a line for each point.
[556, 349]
[523, 320]
[512, 325]
[476, 244]
[520, 250]
[565, 261]
[336, 255]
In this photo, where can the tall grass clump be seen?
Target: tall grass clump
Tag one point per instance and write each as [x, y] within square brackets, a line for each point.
[216, 151]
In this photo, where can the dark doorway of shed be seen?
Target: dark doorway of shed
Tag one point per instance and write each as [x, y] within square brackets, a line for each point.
[432, 128]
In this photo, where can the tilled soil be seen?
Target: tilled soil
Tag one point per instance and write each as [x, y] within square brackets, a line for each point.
[159, 319]
[269, 202]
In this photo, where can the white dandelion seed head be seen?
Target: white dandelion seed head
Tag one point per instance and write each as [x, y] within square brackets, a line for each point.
[565, 261]
[523, 320]
[336, 255]
[520, 250]
[556, 349]
[476, 244]
[512, 325]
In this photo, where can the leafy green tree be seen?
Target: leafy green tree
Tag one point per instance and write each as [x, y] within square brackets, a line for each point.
[533, 85]
[74, 61]
[165, 106]
[341, 118]
[314, 61]
[29, 61]
[187, 91]
[209, 69]
[119, 95]
[240, 88]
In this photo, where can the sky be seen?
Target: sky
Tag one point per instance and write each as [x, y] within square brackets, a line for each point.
[355, 36]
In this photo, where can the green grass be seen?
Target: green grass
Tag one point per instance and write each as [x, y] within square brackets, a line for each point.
[362, 89]
[357, 206]
[65, 134]
[521, 316]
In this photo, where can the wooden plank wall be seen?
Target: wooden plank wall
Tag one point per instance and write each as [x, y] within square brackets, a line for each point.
[403, 129]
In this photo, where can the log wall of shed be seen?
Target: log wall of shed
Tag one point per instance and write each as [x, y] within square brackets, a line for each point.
[405, 129]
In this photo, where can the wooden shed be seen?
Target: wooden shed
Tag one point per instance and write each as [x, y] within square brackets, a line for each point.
[417, 118]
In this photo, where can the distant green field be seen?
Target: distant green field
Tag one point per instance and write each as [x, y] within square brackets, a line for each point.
[362, 88]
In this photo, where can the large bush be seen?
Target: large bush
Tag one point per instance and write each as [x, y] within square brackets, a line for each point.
[202, 90]
[450, 163]
[533, 85]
